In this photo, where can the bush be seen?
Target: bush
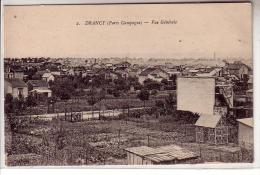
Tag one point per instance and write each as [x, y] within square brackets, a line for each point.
[154, 92]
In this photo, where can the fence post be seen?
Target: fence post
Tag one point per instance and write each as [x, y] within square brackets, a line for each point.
[200, 150]
[148, 140]
[119, 137]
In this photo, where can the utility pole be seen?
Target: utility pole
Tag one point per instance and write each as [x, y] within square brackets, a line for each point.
[148, 140]
[119, 130]
[200, 149]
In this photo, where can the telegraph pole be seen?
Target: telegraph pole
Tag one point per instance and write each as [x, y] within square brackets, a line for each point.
[119, 130]
[148, 140]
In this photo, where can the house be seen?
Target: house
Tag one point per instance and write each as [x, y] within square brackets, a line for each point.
[123, 73]
[88, 73]
[173, 73]
[70, 72]
[55, 71]
[108, 65]
[192, 72]
[164, 155]
[78, 71]
[153, 73]
[48, 77]
[95, 66]
[39, 88]
[250, 82]
[215, 72]
[107, 74]
[212, 129]
[239, 69]
[14, 72]
[16, 87]
[245, 132]
[249, 95]
[38, 74]
[123, 65]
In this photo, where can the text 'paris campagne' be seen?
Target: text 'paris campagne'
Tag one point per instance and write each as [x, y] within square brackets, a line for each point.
[125, 23]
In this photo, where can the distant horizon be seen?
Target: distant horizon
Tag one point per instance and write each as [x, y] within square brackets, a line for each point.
[126, 57]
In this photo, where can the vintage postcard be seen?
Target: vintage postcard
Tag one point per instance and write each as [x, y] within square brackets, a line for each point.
[128, 84]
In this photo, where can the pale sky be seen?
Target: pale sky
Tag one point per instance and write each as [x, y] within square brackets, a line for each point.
[201, 30]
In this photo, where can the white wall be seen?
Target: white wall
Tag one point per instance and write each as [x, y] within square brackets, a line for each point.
[196, 94]
[245, 135]
[133, 159]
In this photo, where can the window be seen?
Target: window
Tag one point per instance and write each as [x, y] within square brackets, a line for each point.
[20, 91]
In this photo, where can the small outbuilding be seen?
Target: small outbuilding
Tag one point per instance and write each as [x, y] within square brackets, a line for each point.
[171, 154]
[211, 129]
[245, 132]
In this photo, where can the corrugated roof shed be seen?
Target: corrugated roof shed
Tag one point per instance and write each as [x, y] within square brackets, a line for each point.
[247, 121]
[207, 120]
[160, 157]
[177, 152]
[163, 154]
[142, 150]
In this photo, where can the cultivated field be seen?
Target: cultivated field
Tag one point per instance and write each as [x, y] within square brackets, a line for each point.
[99, 142]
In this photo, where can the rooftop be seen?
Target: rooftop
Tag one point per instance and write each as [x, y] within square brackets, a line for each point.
[163, 153]
[38, 83]
[46, 75]
[207, 120]
[247, 121]
[16, 82]
[141, 150]
[150, 70]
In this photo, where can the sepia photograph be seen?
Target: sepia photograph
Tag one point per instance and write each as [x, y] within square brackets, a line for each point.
[128, 84]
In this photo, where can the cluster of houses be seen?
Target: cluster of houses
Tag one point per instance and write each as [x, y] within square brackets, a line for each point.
[221, 120]
[221, 95]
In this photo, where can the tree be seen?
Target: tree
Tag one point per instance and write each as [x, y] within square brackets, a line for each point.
[102, 95]
[160, 107]
[151, 84]
[8, 98]
[92, 101]
[173, 78]
[63, 88]
[143, 95]
[164, 81]
[170, 102]
[116, 93]
[8, 103]
[31, 101]
[121, 84]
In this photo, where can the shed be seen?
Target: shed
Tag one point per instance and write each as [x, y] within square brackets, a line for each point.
[170, 154]
[211, 129]
[136, 155]
[245, 132]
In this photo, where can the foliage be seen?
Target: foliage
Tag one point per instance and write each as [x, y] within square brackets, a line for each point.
[31, 101]
[154, 92]
[173, 78]
[170, 101]
[92, 100]
[151, 84]
[63, 88]
[143, 95]
[121, 84]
